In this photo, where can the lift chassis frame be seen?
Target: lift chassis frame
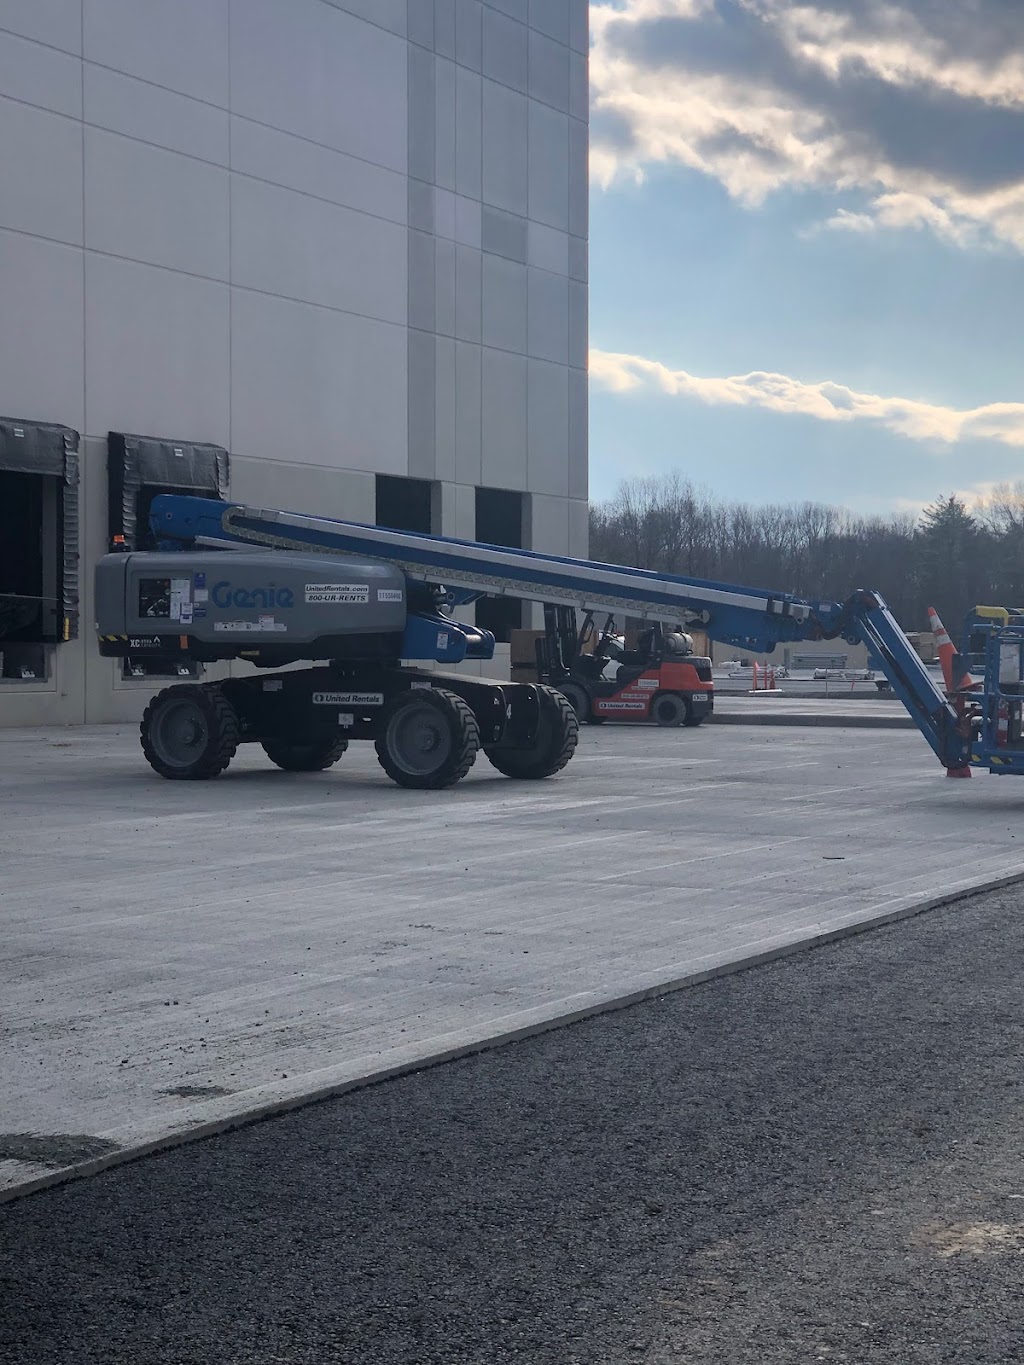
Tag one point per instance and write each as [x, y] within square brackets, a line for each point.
[331, 702]
[427, 726]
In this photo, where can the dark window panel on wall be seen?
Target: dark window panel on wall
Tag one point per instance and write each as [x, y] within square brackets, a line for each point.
[499, 521]
[404, 504]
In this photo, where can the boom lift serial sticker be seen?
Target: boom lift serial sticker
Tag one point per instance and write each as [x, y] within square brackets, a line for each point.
[181, 600]
[337, 594]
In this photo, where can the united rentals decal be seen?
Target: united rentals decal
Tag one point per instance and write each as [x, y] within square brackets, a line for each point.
[348, 698]
[337, 594]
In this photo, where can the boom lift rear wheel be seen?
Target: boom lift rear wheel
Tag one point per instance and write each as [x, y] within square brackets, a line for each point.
[668, 708]
[189, 732]
[557, 735]
[429, 739]
[310, 757]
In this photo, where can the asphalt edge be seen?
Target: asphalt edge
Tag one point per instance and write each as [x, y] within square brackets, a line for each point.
[246, 1118]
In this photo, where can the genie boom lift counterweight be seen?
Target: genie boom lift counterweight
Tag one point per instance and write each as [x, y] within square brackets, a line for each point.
[274, 588]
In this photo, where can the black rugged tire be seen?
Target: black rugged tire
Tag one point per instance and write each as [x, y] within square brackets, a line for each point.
[214, 751]
[577, 698]
[668, 708]
[557, 737]
[295, 757]
[462, 731]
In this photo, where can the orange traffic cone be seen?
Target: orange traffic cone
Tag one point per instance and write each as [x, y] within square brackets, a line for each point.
[947, 651]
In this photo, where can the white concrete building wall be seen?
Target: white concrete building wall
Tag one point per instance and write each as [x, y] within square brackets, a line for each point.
[336, 237]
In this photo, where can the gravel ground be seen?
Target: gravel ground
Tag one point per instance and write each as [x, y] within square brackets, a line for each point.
[820, 1159]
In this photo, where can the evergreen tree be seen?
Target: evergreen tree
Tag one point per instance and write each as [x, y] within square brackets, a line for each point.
[949, 570]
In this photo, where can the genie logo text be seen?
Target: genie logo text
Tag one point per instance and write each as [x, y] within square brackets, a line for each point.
[225, 594]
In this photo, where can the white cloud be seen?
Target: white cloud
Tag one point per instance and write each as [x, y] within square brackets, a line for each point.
[917, 114]
[976, 495]
[896, 45]
[847, 221]
[826, 400]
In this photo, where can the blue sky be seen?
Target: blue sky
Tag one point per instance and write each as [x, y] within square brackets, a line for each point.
[807, 247]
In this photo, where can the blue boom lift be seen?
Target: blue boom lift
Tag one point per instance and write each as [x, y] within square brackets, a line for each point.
[272, 587]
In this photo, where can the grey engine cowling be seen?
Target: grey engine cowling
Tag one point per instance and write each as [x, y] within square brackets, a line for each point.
[224, 605]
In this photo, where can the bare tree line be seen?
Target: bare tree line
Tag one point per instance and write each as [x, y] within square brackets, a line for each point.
[950, 557]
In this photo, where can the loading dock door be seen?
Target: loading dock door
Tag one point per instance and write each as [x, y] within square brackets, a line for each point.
[38, 542]
[140, 467]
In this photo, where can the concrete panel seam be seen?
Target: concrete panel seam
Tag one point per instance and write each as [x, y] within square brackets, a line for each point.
[208, 279]
[313, 142]
[64, 51]
[364, 20]
[532, 98]
[157, 146]
[157, 85]
[42, 237]
[259, 123]
[318, 198]
[42, 108]
[155, 265]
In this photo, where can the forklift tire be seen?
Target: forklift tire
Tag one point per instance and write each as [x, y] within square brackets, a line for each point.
[189, 732]
[577, 698]
[429, 739]
[313, 757]
[557, 735]
[668, 708]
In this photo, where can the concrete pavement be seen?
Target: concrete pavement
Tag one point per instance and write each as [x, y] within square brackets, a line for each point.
[177, 955]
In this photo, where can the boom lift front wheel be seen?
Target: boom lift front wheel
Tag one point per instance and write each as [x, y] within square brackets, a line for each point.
[189, 732]
[558, 732]
[429, 739]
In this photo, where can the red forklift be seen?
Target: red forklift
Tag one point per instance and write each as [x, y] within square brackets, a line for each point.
[660, 680]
